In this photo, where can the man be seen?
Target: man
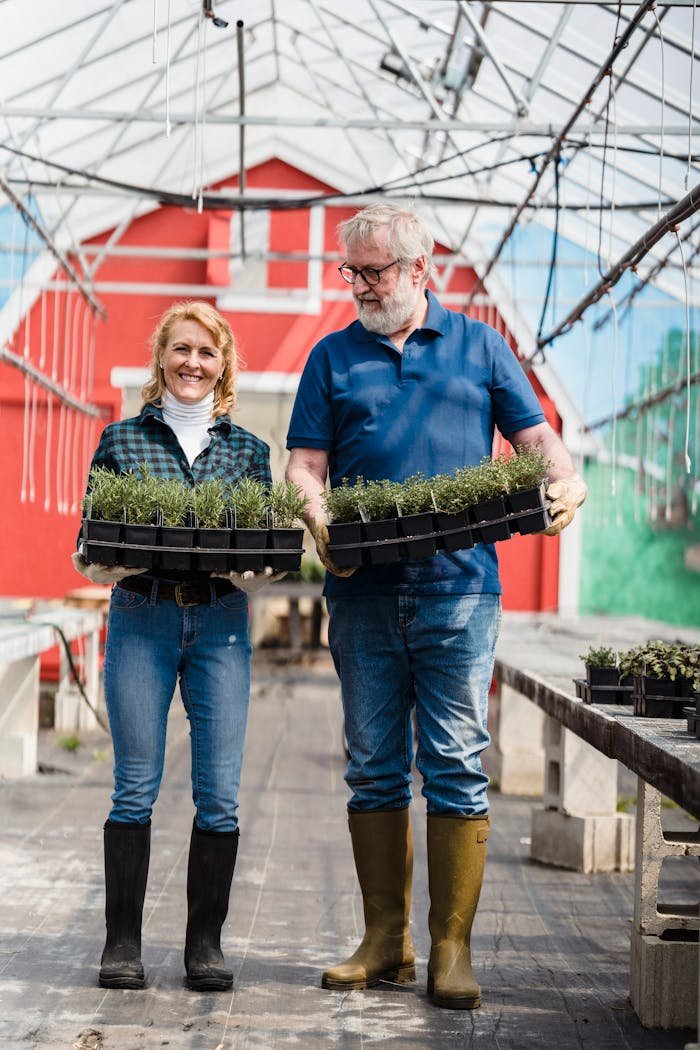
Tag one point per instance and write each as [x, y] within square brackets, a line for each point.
[413, 387]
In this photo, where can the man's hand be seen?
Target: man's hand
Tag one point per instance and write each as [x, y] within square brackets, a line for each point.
[567, 495]
[319, 531]
[97, 573]
[249, 582]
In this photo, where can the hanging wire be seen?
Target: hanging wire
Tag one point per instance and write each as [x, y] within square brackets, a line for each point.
[606, 127]
[555, 241]
[663, 111]
[670, 434]
[688, 464]
[589, 183]
[690, 95]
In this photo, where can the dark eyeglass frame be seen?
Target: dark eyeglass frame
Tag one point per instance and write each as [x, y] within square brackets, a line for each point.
[369, 274]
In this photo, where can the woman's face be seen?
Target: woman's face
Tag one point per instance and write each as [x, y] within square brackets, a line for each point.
[192, 364]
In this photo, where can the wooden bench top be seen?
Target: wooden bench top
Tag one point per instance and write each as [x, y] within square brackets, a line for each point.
[539, 656]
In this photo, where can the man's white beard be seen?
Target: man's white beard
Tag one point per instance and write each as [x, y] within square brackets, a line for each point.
[393, 314]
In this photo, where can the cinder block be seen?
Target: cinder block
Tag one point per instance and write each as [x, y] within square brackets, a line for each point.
[664, 981]
[515, 758]
[587, 844]
[18, 755]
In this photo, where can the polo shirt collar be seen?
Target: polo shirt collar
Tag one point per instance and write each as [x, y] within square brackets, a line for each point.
[435, 321]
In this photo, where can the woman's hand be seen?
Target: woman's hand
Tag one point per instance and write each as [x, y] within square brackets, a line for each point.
[97, 573]
[250, 582]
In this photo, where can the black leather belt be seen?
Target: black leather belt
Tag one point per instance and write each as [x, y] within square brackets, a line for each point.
[184, 594]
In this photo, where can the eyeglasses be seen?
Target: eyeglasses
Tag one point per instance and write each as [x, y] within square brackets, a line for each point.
[369, 274]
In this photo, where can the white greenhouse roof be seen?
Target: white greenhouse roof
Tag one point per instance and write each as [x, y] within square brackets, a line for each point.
[457, 106]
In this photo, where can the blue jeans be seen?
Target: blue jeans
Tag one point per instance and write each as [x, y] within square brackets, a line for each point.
[431, 652]
[149, 644]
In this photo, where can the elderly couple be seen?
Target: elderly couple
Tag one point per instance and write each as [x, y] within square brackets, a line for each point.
[410, 386]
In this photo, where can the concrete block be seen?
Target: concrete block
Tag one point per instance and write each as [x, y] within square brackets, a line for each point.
[653, 846]
[579, 780]
[664, 981]
[515, 758]
[582, 843]
[18, 754]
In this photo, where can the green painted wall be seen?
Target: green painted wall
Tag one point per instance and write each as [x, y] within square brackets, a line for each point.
[634, 567]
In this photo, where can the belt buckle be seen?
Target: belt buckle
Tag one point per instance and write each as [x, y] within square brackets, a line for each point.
[181, 595]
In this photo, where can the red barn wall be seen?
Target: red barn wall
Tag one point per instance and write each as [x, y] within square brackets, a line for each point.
[37, 539]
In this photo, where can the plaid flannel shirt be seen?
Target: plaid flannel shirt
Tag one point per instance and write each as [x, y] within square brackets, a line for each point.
[232, 454]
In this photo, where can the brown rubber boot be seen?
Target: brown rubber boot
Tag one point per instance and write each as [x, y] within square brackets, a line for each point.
[382, 844]
[456, 858]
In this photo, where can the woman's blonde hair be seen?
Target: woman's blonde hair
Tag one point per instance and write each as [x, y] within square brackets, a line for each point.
[219, 330]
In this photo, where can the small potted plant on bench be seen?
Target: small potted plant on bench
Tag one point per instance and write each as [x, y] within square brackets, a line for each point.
[601, 666]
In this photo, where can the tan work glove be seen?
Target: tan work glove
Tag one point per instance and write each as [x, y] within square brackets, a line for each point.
[249, 582]
[567, 495]
[97, 573]
[319, 531]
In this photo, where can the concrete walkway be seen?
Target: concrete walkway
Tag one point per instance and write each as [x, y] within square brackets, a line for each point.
[551, 947]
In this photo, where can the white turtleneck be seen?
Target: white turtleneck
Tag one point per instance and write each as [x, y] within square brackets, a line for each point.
[189, 422]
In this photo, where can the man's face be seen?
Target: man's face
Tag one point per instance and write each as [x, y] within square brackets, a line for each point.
[388, 306]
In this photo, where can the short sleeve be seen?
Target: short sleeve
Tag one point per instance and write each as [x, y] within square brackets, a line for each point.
[515, 404]
[311, 424]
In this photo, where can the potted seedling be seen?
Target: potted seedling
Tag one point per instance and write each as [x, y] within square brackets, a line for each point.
[248, 500]
[103, 517]
[525, 474]
[140, 508]
[344, 523]
[665, 673]
[210, 506]
[601, 666]
[452, 495]
[488, 511]
[379, 511]
[415, 502]
[174, 500]
[286, 503]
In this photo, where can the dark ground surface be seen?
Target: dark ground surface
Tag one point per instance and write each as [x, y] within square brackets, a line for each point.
[551, 947]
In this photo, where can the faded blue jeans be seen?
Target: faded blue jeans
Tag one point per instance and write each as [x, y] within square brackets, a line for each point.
[431, 652]
[149, 646]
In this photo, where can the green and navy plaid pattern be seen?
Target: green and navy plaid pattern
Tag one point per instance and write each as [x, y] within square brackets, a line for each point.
[233, 453]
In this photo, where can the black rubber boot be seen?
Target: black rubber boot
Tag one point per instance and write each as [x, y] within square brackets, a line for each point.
[127, 852]
[209, 874]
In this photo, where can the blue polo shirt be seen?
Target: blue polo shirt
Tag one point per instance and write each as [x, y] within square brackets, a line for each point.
[380, 414]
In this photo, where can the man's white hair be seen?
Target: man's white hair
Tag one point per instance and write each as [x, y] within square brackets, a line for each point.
[408, 237]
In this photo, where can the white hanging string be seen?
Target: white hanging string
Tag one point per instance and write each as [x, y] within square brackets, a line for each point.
[613, 106]
[203, 123]
[690, 97]
[668, 502]
[688, 464]
[167, 77]
[154, 59]
[613, 392]
[589, 183]
[663, 112]
[27, 385]
[32, 423]
[49, 406]
[197, 105]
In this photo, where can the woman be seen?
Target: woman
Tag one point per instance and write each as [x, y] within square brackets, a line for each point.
[194, 628]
